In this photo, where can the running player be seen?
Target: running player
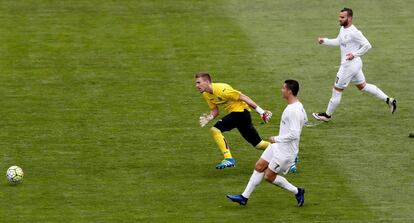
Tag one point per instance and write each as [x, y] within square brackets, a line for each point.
[353, 45]
[237, 105]
[279, 156]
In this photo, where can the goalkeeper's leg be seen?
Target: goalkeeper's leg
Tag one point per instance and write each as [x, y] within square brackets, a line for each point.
[228, 160]
[250, 133]
[221, 142]
[227, 123]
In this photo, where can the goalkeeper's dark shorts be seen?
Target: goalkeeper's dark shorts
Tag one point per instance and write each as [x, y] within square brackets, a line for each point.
[243, 122]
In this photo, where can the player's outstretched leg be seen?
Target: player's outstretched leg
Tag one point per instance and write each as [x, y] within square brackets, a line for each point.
[226, 163]
[238, 199]
[375, 91]
[300, 196]
[392, 103]
[332, 105]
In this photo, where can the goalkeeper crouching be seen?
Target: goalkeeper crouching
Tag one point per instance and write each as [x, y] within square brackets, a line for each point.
[238, 106]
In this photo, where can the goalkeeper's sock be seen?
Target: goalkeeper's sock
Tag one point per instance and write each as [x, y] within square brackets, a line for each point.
[221, 142]
[262, 145]
[255, 180]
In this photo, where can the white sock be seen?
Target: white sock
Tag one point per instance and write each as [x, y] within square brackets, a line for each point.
[255, 180]
[283, 183]
[333, 102]
[374, 90]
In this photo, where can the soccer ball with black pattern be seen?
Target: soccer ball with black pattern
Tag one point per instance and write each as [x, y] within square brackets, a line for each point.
[14, 174]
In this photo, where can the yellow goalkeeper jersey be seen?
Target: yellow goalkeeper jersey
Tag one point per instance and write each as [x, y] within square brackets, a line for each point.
[224, 95]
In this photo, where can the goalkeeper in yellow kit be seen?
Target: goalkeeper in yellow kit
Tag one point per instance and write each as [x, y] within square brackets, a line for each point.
[237, 105]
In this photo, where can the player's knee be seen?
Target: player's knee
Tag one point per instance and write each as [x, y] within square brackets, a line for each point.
[269, 176]
[260, 166]
[260, 169]
[361, 87]
[337, 90]
[214, 131]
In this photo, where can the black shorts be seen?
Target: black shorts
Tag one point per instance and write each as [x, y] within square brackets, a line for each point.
[243, 122]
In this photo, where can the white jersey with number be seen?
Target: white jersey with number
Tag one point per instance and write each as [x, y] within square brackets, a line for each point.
[281, 155]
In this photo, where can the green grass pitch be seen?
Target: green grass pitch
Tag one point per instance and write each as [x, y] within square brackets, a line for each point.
[99, 108]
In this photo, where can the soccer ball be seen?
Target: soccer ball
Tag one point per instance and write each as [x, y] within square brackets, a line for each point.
[14, 174]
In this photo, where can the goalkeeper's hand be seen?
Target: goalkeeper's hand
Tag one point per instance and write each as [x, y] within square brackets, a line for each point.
[204, 119]
[264, 114]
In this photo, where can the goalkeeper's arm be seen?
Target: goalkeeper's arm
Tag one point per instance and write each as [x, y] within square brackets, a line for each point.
[264, 114]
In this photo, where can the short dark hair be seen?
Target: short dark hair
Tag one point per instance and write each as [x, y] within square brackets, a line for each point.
[204, 75]
[348, 11]
[293, 86]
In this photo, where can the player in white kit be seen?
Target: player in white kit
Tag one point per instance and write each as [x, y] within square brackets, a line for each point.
[353, 45]
[280, 155]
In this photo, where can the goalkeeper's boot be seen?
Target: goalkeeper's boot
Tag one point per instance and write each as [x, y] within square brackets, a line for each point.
[293, 167]
[300, 196]
[392, 103]
[322, 116]
[238, 199]
[226, 163]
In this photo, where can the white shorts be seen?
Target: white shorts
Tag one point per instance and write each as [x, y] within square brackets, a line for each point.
[278, 162]
[350, 72]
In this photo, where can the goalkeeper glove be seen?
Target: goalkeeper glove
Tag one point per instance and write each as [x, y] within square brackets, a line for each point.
[204, 119]
[265, 115]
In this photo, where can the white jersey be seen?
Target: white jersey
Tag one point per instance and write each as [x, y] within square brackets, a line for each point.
[352, 41]
[293, 119]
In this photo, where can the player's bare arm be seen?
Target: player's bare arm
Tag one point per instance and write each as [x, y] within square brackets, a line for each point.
[248, 101]
[264, 114]
[214, 112]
